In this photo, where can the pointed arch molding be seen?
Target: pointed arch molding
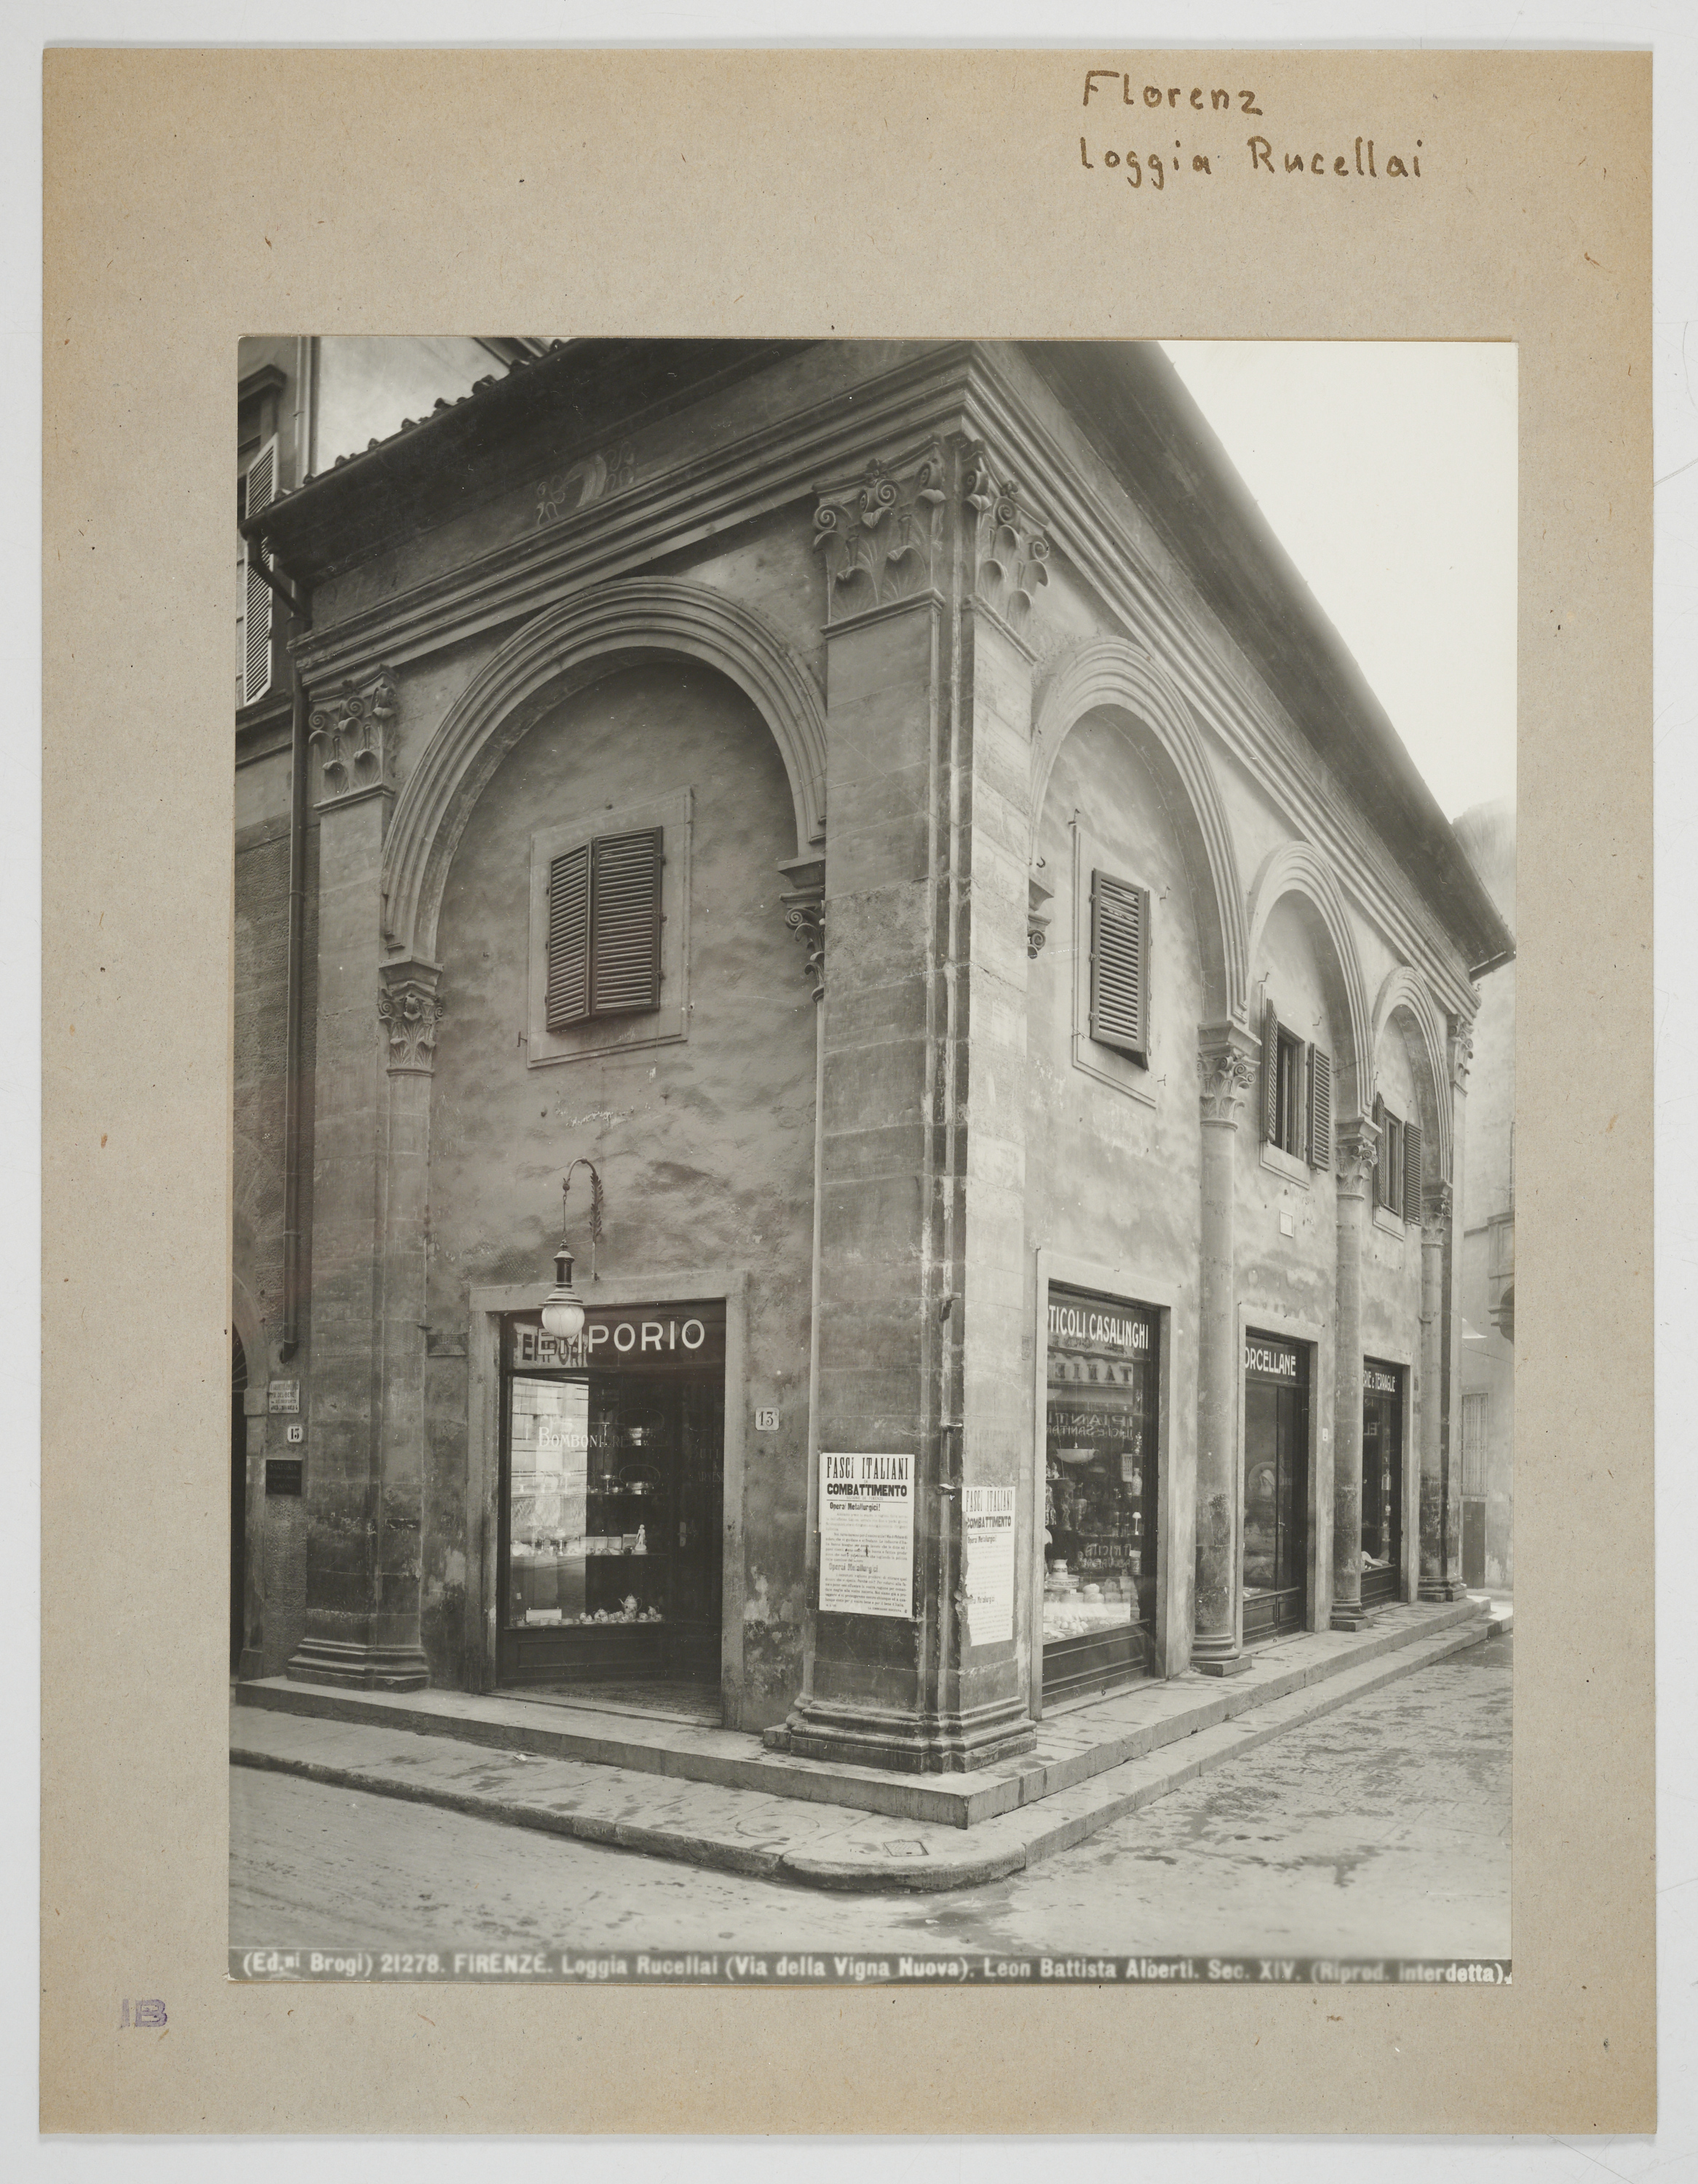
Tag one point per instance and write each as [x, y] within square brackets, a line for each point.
[566, 648]
[1111, 675]
[1403, 992]
[1298, 868]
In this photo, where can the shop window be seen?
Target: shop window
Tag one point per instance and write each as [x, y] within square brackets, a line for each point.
[608, 907]
[1120, 965]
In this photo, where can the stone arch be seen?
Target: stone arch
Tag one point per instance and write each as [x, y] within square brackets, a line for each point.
[1298, 868]
[565, 649]
[1111, 675]
[1404, 999]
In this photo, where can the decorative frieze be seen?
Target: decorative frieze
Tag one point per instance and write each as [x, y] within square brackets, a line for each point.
[1227, 1058]
[1010, 544]
[580, 484]
[351, 735]
[409, 1010]
[881, 532]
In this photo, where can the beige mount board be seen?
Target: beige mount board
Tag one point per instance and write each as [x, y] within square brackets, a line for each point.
[193, 197]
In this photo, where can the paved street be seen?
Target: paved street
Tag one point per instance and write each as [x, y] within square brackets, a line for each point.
[1381, 1829]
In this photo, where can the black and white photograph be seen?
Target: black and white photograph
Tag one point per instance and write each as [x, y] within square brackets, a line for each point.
[873, 1195]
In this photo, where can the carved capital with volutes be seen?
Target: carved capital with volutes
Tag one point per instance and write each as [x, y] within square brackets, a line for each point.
[1227, 1061]
[409, 1009]
[1436, 1206]
[1461, 1055]
[1011, 542]
[1355, 1155]
[803, 903]
[881, 531]
[352, 737]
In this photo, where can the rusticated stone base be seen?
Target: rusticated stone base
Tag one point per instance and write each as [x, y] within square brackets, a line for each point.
[906, 1743]
[359, 1668]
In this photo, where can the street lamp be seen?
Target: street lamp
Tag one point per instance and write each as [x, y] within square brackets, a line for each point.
[563, 1313]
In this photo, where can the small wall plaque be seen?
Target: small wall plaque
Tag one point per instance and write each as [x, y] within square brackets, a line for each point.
[283, 1474]
[766, 1422]
[285, 1396]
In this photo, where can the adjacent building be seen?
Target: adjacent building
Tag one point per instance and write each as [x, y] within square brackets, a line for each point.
[884, 827]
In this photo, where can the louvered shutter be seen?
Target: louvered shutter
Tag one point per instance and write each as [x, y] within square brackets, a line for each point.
[1270, 1074]
[1320, 1149]
[1119, 965]
[569, 939]
[1380, 1197]
[260, 490]
[625, 923]
[1412, 1172]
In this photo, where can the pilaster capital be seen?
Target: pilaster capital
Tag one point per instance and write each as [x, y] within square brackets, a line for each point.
[804, 913]
[1436, 1206]
[1462, 1053]
[1227, 1060]
[881, 531]
[1010, 541]
[409, 1009]
[1355, 1155]
[1039, 894]
[352, 732]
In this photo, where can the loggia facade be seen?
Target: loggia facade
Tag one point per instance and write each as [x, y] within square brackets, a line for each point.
[888, 820]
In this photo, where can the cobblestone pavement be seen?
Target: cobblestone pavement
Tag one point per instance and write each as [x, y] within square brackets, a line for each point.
[1382, 1829]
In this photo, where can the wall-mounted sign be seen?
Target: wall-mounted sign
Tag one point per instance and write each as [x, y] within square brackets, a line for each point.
[1268, 1359]
[767, 1421]
[283, 1474]
[1097, 1325]
[283, 1396]
[630, 1337]
[1377, 1381]
[866, 1534]
[987, 1536]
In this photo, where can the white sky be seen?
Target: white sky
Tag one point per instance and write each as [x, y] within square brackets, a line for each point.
[1388, 471]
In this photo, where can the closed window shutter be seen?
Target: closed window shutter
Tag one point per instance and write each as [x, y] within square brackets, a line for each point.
[1380, 1196]
[1270, 1072]
[625, 923]
[569, 939]
[1320, 1109]
[1412, 1172]
[260, 490]
[1119, 965]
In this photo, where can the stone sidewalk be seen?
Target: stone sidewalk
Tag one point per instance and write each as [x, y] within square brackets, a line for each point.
[715, 1798]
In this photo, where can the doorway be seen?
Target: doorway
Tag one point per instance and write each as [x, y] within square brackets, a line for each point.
[611, 1501]
[1382, 1483]
[1276, 1486]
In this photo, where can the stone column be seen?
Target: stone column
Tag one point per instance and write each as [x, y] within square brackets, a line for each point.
[1226, 1057]
[1435, 1230]
[921, 1283]
[364, 1393]
[1357, 1151]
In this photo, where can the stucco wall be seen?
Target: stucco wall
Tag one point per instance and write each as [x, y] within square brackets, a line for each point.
[705, 1147]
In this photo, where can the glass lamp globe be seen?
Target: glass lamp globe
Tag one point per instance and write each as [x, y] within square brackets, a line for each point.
[563, 1314]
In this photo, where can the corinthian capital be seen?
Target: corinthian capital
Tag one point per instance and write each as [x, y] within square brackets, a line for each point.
[410, 1010]
[1356, 1148]
[881, 531]
[1011, 544]
[352, 734]
[1435, 1211]
[1461, 1055]
[1226, 1059]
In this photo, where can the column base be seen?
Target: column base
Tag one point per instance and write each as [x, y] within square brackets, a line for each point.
[1218, 1660]
[1349, 1615]
[1442, 1588]
[902, 1742]
[252, 1665]
[359, 1668]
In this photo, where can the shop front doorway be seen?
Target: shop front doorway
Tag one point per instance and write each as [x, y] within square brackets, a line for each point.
[1382, 1483]
[611, 1508]
[1276, 1486]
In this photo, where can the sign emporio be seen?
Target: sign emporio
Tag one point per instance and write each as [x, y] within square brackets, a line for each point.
[645, 1334]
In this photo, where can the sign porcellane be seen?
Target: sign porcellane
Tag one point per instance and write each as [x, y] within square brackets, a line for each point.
[866, 1534]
